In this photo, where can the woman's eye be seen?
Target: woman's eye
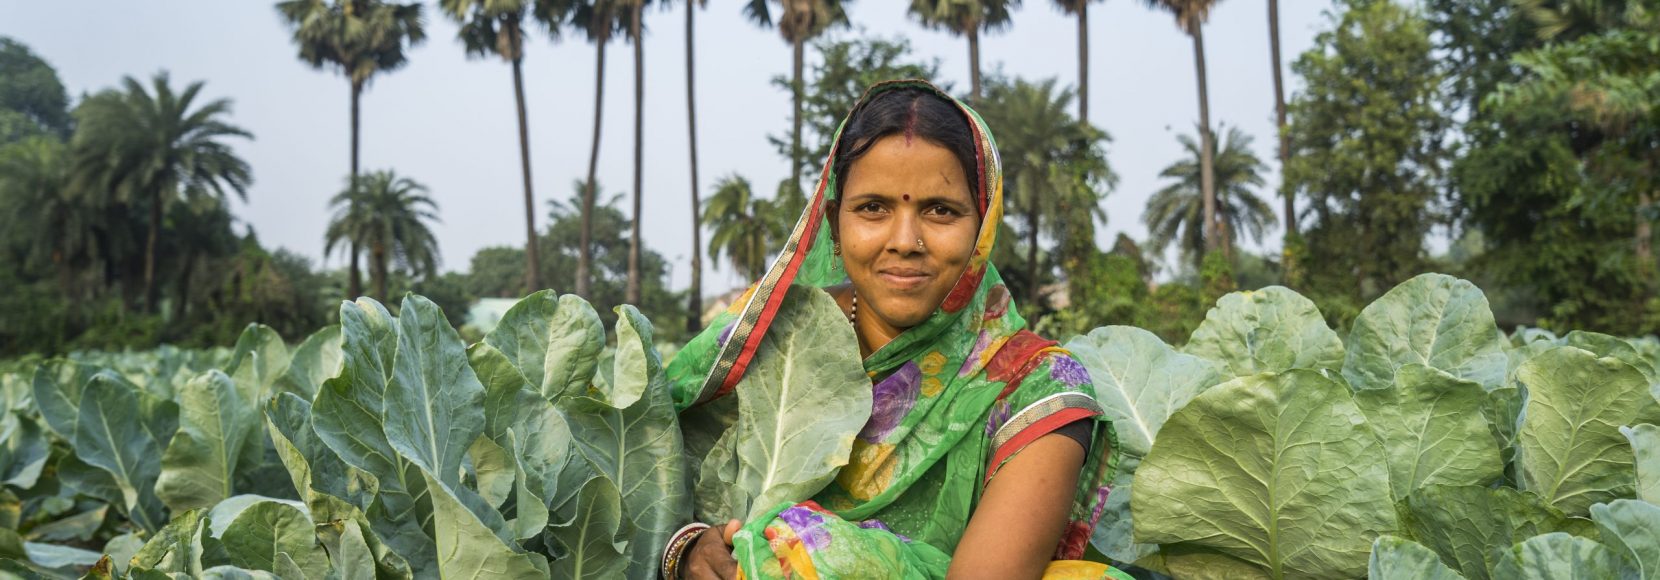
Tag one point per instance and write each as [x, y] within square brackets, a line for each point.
[871, 207]
[940, 210]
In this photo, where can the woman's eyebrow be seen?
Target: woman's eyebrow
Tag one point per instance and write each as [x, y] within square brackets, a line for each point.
[942, 199]
[865, 196]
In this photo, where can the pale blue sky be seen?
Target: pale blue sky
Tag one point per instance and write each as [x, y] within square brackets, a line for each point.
[449, 123]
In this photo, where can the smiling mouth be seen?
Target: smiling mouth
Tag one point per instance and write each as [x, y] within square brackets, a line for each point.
[904, 278]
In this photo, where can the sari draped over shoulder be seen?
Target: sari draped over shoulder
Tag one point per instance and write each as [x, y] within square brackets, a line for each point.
[954, 398]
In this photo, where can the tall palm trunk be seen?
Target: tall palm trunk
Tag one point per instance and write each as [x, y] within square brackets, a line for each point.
[694, 304]
[1279, 116]
[1083, 61]
[585, 257]
[377, 258]
[797, 63]
[180, 308]
[354, 285]
[151, 244]
[533, 261]
[1207, 161]
[633, 295]
[974, 61]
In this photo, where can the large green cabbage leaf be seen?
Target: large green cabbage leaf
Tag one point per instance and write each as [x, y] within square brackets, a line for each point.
[555, 341]
[1645, 445]
[317, 359]
[1396, 558]
[1432, 427]
[1569, 448]
[1272, 329]
[800, 404]
[1139, 380]
[1558, 556]
[595, 542]
[1632, 529]
[122, 431]
[1434, 320]
[637, 447]
[215, 424]
[1277, 469]
[1467, 525]
[469, 549]
[261, 535]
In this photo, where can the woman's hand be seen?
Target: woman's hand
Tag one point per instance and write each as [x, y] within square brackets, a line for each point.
[710, 557]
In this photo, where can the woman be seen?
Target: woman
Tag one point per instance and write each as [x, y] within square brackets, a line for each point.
[985, 456]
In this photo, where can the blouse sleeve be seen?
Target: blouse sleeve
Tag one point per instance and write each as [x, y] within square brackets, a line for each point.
[1053, 393]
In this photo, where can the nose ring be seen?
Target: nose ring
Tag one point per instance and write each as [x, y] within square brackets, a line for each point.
[919, 242]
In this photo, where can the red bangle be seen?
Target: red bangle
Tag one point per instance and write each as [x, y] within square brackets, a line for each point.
[677, 548]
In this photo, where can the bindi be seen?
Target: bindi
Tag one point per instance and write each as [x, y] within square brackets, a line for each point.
[906, 197]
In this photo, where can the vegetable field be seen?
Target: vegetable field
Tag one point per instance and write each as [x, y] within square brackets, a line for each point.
[1426, 444]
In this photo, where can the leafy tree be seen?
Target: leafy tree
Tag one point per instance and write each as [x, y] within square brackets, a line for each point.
[52, 227]
[1555, 173]
[1190, 18]
[744, 227]
[32, 100]
[361, 39]
[1368, 135]
[497, 27]
[1055, 172]
[1175, 212]
[156, 147]
[966, 18]
[846, 68]
[388, 215]
[496, 272]
[798, 21]
[611, 248]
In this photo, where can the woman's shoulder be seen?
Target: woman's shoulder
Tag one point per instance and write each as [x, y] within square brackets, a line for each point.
[1028, 361]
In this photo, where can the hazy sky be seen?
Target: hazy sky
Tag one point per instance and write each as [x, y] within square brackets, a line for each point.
[448, 121]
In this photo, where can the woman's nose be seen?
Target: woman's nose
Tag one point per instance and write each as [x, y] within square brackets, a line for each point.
[906, 233]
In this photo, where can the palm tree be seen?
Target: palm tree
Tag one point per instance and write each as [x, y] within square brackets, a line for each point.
[388, 215]
[636, 15]
[599, 21]
[1081, 9]
[742, 227]
[1054, 172]
[1279, 118]
[155, 147]
[965, 18]
[1174, 213]
[1190, 18]
[497, 27]
[798, 21]
[694, 303]
[55, 226]
[360, 37]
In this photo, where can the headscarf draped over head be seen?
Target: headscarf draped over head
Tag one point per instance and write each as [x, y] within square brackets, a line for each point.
[954, 398]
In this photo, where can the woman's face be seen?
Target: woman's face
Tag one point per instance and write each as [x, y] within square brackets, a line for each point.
[904, 190]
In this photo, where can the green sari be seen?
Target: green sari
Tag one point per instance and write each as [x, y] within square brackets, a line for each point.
[954, 398]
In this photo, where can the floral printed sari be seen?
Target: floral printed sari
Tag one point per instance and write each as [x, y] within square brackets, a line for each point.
[954, 398]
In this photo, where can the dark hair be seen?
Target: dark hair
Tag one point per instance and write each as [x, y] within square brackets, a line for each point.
[911, 111]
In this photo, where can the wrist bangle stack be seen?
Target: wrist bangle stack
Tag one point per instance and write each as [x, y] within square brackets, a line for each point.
[677, 548]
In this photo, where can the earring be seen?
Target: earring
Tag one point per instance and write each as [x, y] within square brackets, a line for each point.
[836, 248]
